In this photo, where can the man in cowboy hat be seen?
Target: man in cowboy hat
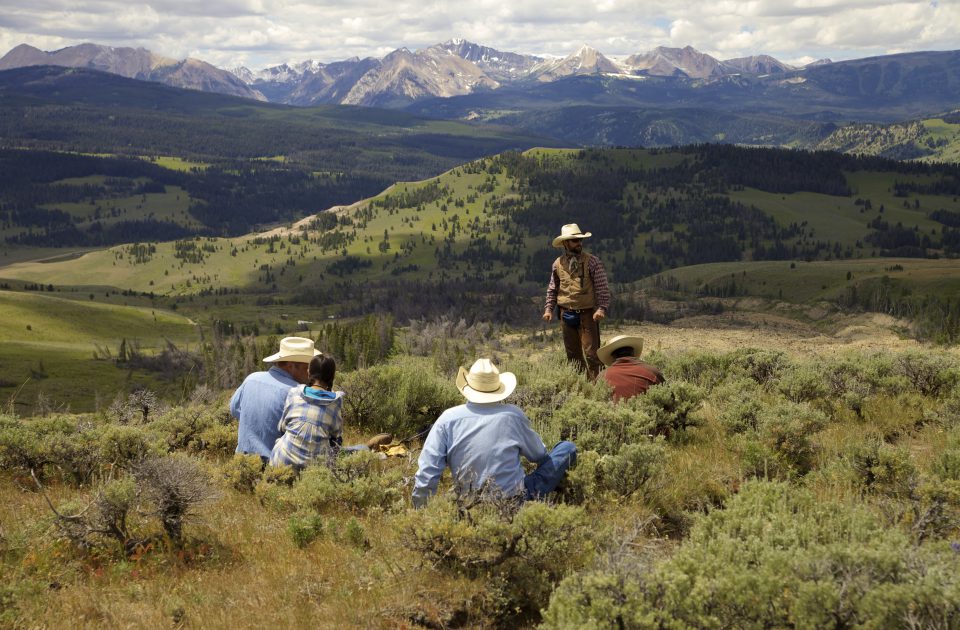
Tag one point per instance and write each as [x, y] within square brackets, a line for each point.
[258, 402]
[626, 373]
[578, 286]
[482, 442]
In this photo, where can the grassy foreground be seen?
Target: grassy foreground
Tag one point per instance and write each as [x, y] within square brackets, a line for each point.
[760, 487]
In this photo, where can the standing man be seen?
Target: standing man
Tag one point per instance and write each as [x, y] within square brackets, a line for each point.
[258, 402]
[626, 374]
[578, 286]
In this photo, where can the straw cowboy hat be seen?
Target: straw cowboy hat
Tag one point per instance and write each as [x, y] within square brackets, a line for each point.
[568, 232]
[605, 352]
[484, 383]
[296, 349]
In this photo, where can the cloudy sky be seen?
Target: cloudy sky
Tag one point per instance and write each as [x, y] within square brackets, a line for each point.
[260, 33]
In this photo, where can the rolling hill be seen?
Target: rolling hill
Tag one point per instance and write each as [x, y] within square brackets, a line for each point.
[479, 234]
[91, 158]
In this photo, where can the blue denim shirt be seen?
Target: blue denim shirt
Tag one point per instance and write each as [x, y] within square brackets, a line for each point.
[478, 442]
[258, 405]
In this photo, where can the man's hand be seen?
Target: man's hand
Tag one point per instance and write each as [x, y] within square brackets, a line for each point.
[547, 316]
[598, 315]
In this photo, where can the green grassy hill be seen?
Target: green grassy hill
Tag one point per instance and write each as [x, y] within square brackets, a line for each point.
[479, 235]
[927, 140]
[88, 158]
[69, 349]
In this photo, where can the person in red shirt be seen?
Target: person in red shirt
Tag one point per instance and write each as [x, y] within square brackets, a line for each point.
[626, 373]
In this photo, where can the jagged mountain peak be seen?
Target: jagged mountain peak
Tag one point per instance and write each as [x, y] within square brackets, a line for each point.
[134, 63]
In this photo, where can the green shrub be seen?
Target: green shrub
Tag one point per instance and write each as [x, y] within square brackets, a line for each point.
[928, 373]
[763, 366]
[631, 468]
[880, 467]
[219, 439]
[305, 527]
[598, 425]
[243, 472]
[776, 556]
[802, 384]
[520, 554]
[704, 369]
[398, 398]
[671, 407]
[785, 429]
[124, 445]
[946, 466]
[546, 385]
[359, 483]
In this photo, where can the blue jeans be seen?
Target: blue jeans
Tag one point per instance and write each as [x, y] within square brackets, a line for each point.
[550, 472]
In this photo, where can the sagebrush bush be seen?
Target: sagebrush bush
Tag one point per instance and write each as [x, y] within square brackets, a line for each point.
[399, 397]
[522, 554]
[546, 385]
[243, 471]
[786, 428]
[802, 383]
[671, 406]
[763, 366]
[598, 425]
[599, 478]
[776, 556]
[701, 368]
[305, 527]
[174, 488]
[928, 373]
[881, 467]
[358, 483]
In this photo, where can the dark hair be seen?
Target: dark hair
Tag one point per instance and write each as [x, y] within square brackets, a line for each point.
[625, 351]
[322, 368]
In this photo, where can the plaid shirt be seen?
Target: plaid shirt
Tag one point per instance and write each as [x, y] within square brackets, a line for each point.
[601, 290]
[310, 427]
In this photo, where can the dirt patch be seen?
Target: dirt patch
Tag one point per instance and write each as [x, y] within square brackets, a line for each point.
[867, 333]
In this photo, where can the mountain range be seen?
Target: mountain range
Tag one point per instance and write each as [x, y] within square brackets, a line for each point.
[668, 96]
[454, 68]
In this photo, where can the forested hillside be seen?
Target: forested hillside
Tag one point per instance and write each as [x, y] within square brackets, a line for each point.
[90, 158]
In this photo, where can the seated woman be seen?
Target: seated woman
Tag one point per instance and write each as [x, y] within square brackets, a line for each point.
[311, 425]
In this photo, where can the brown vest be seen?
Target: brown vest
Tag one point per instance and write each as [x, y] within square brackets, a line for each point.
[576, 290]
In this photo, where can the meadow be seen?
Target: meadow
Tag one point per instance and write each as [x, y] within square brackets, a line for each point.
[780, 478]
[65, 353]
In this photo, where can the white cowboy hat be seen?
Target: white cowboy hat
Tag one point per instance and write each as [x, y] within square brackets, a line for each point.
[605, 352]
[296, 349]
[484, 383]
[570, 231]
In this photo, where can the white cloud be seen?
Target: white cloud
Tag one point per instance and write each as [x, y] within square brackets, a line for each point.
[265, 32]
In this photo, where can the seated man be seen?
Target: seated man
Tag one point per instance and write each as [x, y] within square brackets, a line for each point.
[626, 373]
[482, 442]
[258, 402]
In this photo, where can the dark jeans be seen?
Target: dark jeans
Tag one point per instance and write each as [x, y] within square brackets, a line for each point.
[550, 472]
[581, 343]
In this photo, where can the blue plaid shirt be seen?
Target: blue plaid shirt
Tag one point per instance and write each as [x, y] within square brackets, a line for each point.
[311, 425]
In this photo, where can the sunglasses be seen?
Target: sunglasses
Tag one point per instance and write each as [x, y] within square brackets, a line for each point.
[574, 240]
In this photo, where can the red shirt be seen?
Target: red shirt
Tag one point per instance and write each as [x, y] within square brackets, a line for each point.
[629, 376]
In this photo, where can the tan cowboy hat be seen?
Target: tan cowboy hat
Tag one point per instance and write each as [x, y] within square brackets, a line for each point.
[296, 349]
[484, 383]
[605, 352]
[570, 231]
